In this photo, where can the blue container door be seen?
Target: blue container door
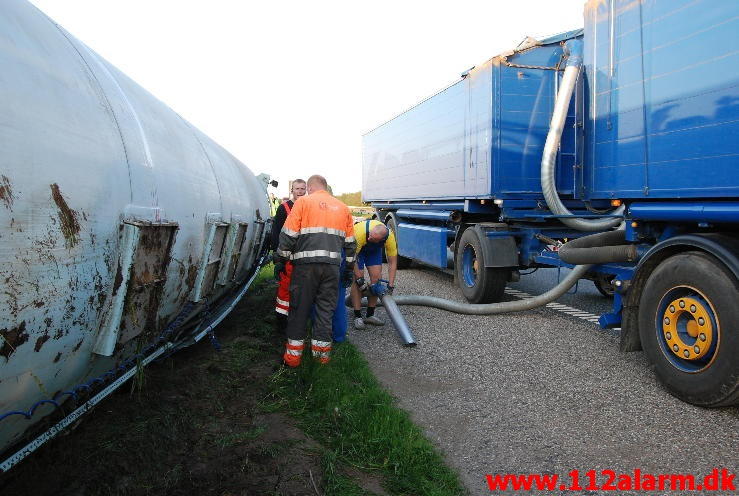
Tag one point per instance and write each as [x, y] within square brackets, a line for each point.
[525, 92]
[614, 68]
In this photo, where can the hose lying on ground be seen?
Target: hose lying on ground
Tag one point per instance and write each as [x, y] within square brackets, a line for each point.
[494, 308]
[401, 326]
[598, 248]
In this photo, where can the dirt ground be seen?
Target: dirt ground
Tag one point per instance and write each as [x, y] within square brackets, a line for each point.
[200, 422]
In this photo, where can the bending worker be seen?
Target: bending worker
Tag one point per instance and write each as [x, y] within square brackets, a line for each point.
[316, 230]
[372, 236]
[282, 301]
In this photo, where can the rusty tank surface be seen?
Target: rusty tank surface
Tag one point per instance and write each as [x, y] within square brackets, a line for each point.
[120, 224]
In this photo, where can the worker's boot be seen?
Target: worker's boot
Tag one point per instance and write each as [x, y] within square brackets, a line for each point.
[374, 321]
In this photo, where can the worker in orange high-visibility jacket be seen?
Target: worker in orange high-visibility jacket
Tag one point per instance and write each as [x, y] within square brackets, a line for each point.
[282, 300]
[315, 232]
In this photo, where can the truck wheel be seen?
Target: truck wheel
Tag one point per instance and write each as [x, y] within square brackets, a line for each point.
[392, 224]
[604, 284]
[688, 324]
[478, 283]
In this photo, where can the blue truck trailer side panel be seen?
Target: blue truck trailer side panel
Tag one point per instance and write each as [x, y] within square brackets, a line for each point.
[663, 120]
[481, 137]
[419, 153]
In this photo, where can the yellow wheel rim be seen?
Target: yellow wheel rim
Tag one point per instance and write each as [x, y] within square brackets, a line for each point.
[687, 316]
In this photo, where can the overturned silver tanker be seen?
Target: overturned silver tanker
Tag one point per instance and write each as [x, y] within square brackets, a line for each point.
[120, 224]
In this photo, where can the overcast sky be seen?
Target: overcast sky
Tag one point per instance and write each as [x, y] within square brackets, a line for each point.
[289, 87]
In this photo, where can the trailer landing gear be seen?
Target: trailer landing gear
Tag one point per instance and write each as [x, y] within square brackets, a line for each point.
[688, 323]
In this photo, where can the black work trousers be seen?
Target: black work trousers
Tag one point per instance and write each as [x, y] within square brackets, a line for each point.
[312, 283]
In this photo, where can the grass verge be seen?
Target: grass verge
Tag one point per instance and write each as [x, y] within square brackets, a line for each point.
[343, 407]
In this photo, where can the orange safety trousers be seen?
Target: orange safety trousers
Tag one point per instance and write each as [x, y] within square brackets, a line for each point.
[282, 302]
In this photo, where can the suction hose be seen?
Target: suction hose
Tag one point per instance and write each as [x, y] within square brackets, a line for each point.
[599, 248]
[573, 50]
[495, 308]
[401, 326]
[387, 301]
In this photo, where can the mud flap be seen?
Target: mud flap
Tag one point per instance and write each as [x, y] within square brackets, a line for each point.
[499, 251]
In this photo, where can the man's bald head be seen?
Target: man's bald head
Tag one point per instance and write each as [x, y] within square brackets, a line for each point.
[317, 183]
[378, 234]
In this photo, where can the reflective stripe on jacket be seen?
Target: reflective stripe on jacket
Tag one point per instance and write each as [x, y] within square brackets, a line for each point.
[317, 229]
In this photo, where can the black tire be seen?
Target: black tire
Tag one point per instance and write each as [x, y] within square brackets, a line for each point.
[694, 297]
[392, 224]
[604, 284]
[479, 284]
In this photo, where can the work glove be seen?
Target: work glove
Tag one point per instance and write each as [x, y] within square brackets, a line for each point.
[361, 283]
[390, 290]
[346, 278]
[378, 289]
[279, 269]
[279, 265]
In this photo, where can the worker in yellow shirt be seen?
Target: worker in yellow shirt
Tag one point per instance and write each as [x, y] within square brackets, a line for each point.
[372, 237]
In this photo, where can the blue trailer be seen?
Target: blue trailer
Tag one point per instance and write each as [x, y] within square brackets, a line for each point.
[615, 146]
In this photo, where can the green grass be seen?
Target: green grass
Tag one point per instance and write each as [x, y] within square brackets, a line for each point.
[342, 406]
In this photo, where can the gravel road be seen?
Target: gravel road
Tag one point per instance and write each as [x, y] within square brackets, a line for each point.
[540, 392]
